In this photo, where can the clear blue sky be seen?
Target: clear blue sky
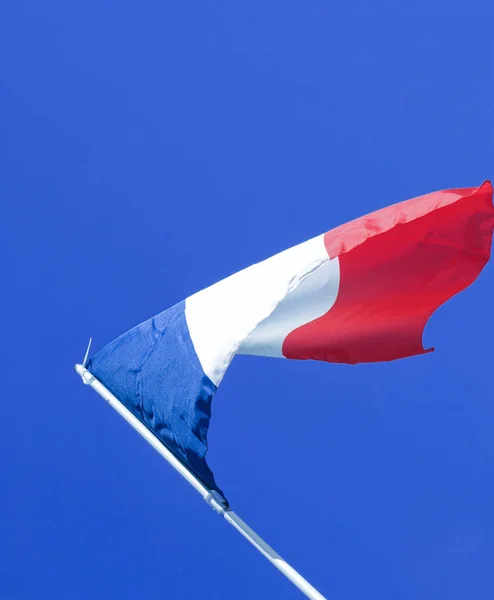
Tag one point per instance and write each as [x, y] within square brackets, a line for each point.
[149, 149]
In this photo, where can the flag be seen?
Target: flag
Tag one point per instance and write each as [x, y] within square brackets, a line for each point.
[362, 292]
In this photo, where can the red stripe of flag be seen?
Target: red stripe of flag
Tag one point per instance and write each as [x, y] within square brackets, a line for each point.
[397, 266]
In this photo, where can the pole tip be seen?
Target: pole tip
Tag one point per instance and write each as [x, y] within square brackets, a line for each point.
[85, 375]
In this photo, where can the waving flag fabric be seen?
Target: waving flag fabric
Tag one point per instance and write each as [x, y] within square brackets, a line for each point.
[362, 292]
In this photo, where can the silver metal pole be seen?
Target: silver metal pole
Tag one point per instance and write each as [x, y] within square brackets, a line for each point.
[210, 496]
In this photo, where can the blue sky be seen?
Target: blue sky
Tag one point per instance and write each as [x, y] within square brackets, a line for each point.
[149, 149]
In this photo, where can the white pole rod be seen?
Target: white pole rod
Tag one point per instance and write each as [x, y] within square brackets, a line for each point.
[210, 496]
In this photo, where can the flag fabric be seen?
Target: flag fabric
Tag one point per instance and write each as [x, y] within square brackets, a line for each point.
[362, 292]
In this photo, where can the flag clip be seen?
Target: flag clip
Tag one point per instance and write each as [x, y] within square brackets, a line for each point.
[216, 501]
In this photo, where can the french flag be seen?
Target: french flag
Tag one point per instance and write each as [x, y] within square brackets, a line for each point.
[362, 292]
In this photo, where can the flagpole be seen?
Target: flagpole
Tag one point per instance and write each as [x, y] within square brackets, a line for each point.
[210, 496]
